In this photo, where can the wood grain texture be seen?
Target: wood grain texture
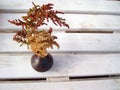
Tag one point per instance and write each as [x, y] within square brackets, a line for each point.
[93, 5]
[74, 20]
[80, 55]
[113, 84]
[69, 42]
[16, 67]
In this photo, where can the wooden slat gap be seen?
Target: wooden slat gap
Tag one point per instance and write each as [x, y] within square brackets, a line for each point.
[71, 30]
[71, 78]
[60, 53]
[65, 11]
[23, 79]
[95, 77]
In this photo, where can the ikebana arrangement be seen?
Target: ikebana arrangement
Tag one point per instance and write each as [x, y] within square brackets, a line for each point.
[39, 40]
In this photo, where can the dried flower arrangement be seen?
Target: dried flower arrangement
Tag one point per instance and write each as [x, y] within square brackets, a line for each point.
[37, 40]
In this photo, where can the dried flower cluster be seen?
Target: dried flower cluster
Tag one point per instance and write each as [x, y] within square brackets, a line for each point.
[37, 16]
[40, 41]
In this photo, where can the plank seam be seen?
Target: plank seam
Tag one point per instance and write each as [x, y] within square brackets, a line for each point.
[65, 11]
[60, 53]
[75, 78]
[71, 30]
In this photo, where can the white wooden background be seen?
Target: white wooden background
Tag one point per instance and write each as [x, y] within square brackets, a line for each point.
[85, 61]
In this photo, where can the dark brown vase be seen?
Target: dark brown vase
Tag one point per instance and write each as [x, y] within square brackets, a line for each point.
[42, 64]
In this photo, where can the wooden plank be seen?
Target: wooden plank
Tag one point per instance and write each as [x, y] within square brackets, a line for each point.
[75, 21]
[94, 5]
[113, 84]
[69, 42]
[19, 67]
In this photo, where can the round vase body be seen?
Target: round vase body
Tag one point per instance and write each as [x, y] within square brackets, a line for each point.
[42, 64]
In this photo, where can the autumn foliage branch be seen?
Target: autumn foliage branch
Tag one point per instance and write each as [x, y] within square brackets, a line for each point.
[36, 17]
